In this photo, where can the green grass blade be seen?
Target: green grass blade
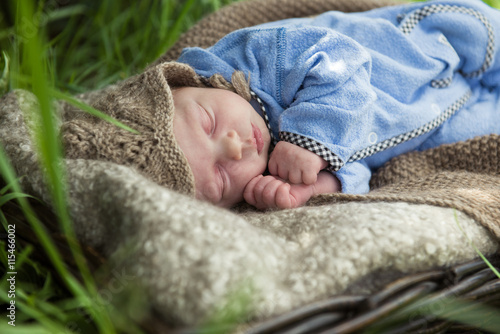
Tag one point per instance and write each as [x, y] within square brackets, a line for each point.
[4, 79]
[3, 221]
[50, 156]
[70, 99]
[65, 12]
[8, 174]
[493, 3]
[176, 29]
[32, 311]
[8, 197]
[475, 248]
[7, 188]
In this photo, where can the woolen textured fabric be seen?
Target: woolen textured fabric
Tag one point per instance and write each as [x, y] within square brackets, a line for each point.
[464, 176]
[144, 103]
[190, 257]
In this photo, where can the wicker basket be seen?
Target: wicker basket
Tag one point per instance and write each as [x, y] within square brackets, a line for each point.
[398, 307]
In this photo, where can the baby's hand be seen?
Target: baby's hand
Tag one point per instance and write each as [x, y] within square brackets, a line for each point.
[295, 164]
[269, 191]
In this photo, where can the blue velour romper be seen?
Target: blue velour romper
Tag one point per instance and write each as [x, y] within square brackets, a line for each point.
[360, 88]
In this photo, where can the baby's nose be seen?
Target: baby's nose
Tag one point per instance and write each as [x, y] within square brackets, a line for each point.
[233, 145]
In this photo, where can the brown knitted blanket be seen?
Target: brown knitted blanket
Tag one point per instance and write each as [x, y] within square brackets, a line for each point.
[252, 12]
[464, 176]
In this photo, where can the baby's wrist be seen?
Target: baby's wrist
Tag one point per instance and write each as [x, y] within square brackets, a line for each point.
[327, 183]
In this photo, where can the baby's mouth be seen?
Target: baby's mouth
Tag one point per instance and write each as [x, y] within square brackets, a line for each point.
[257, 135]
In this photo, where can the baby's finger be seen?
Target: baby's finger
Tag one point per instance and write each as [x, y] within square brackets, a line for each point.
[259, 191]
[283, 198]
[269, 193]
[282, 171]
[295, 176]
[309, 177]
[249, 192]
[272, 166]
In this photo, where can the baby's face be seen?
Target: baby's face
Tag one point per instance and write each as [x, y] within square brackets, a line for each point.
[224, 139]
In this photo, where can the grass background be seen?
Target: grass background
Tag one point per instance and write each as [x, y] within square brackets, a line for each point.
[57, 48]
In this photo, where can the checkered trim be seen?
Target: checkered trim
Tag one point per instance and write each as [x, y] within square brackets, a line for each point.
[391, 142]
[333, 160]
[441, 83]
[264, 113]
[311, 145]
[415, 17]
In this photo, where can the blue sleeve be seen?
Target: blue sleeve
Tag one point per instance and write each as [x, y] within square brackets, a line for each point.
[251, 50]
[330, 98]
[328, 92]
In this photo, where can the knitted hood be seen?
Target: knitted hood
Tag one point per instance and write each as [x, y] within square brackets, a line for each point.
[144, 103]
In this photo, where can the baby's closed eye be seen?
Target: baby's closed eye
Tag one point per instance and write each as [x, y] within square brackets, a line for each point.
[208, 121]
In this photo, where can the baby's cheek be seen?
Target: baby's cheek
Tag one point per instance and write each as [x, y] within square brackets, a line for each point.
[211, 192]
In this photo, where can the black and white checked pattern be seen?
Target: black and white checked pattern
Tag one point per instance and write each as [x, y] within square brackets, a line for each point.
[264, 113]
[441, 83]
[321, 150]
[205, 81]
[311, 145]
[414, 18]
[391, 142]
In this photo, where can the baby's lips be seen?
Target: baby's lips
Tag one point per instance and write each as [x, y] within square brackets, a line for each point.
[259, 141]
